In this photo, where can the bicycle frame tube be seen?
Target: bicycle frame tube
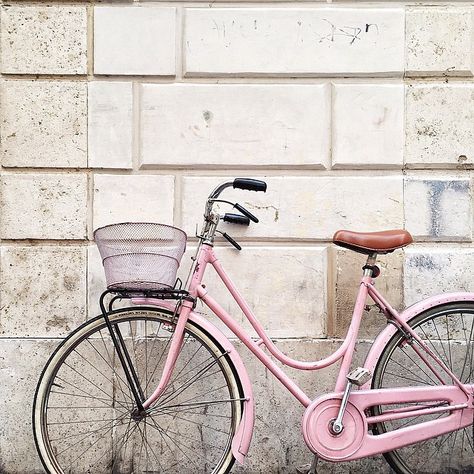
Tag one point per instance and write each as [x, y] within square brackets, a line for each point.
[207, 256]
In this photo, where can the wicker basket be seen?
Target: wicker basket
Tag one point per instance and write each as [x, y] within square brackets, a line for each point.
[140, 256]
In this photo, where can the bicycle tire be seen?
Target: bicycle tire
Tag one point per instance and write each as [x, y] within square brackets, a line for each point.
[449, 332]
[82, 417]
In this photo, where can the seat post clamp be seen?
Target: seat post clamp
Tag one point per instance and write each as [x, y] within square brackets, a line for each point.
[374, 268]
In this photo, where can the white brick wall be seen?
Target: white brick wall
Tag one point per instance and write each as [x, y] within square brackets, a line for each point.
[44, 40]
[367, 126]
[134, 40]
[43, 206]
[439, 41]
[359, 115]
[203, 125]
[127, 198]
[44, 124]
[439, 125]
[296, 41]
[110, 126]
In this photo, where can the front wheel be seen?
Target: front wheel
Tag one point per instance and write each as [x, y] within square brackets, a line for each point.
[449, 332]
[83, 413]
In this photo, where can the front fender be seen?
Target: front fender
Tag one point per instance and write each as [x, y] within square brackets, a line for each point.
[412, 311]
[243, 435]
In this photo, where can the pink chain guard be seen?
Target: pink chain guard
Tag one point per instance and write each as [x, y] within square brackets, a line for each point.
[316, 429]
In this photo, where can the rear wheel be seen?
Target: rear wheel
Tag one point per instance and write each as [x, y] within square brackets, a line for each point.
[449, 332]
[84, 418]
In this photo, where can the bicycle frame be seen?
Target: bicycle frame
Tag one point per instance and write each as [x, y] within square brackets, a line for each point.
[458, 396]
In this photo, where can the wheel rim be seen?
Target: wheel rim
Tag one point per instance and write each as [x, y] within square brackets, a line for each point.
[85, 411]
[449, 332]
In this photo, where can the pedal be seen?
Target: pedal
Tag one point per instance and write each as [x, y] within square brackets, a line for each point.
[359, 376]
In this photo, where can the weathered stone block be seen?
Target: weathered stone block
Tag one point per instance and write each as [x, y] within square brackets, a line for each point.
[430, 271]
[438, 208]
[44, 124]
[44, 39]
[110, 124]
[348, 274]
[133, 198]
[367, 125]
[147, 48]
[439, 125]
[439, 41]
[284, 41]
[21, 362]
[43, 290]
[43, 206]
[304, 207]
[195, 125]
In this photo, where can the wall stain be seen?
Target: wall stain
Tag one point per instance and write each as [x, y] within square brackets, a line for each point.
[423, 261]
[208, 116]
[277, 211]
[436, 189]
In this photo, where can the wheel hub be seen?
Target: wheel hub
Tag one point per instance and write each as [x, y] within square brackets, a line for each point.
[138, 415]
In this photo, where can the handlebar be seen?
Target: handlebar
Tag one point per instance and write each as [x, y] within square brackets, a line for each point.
[249, 184]
[211, 220]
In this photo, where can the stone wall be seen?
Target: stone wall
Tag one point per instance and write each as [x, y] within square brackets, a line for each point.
[357, 115]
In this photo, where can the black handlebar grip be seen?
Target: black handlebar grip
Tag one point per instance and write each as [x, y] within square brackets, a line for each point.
[244, 211]
[231, 241]
[236, 219]
[250, 184]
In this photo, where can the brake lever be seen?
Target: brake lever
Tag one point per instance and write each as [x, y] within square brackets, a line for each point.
[246, 213]
[230, 240]
[240, 208]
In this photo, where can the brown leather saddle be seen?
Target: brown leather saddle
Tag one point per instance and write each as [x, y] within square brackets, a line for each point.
[373, 242]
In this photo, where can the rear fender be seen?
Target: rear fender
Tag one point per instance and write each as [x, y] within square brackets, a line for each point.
[243, 435]
[409, 313]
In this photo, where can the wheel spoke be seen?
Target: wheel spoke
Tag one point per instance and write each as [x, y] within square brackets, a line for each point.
[189, 382]
[469, 349]
[92, 383]
[418, 365]
[117, 376]
[179, 444]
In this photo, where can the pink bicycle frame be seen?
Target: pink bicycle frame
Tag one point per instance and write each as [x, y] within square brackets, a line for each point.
[458, 396]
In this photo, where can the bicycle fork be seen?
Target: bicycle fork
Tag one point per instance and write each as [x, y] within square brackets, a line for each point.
[182, 312]
[123, 356]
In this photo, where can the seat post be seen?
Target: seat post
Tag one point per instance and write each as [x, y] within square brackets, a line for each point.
[369, 266]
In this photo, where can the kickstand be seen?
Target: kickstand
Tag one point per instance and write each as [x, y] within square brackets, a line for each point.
[309, 468]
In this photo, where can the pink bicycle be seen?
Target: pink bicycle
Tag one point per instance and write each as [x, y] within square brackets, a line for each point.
[155, 387]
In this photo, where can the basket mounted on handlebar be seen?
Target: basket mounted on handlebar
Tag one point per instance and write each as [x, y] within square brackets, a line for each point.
[140, 257]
